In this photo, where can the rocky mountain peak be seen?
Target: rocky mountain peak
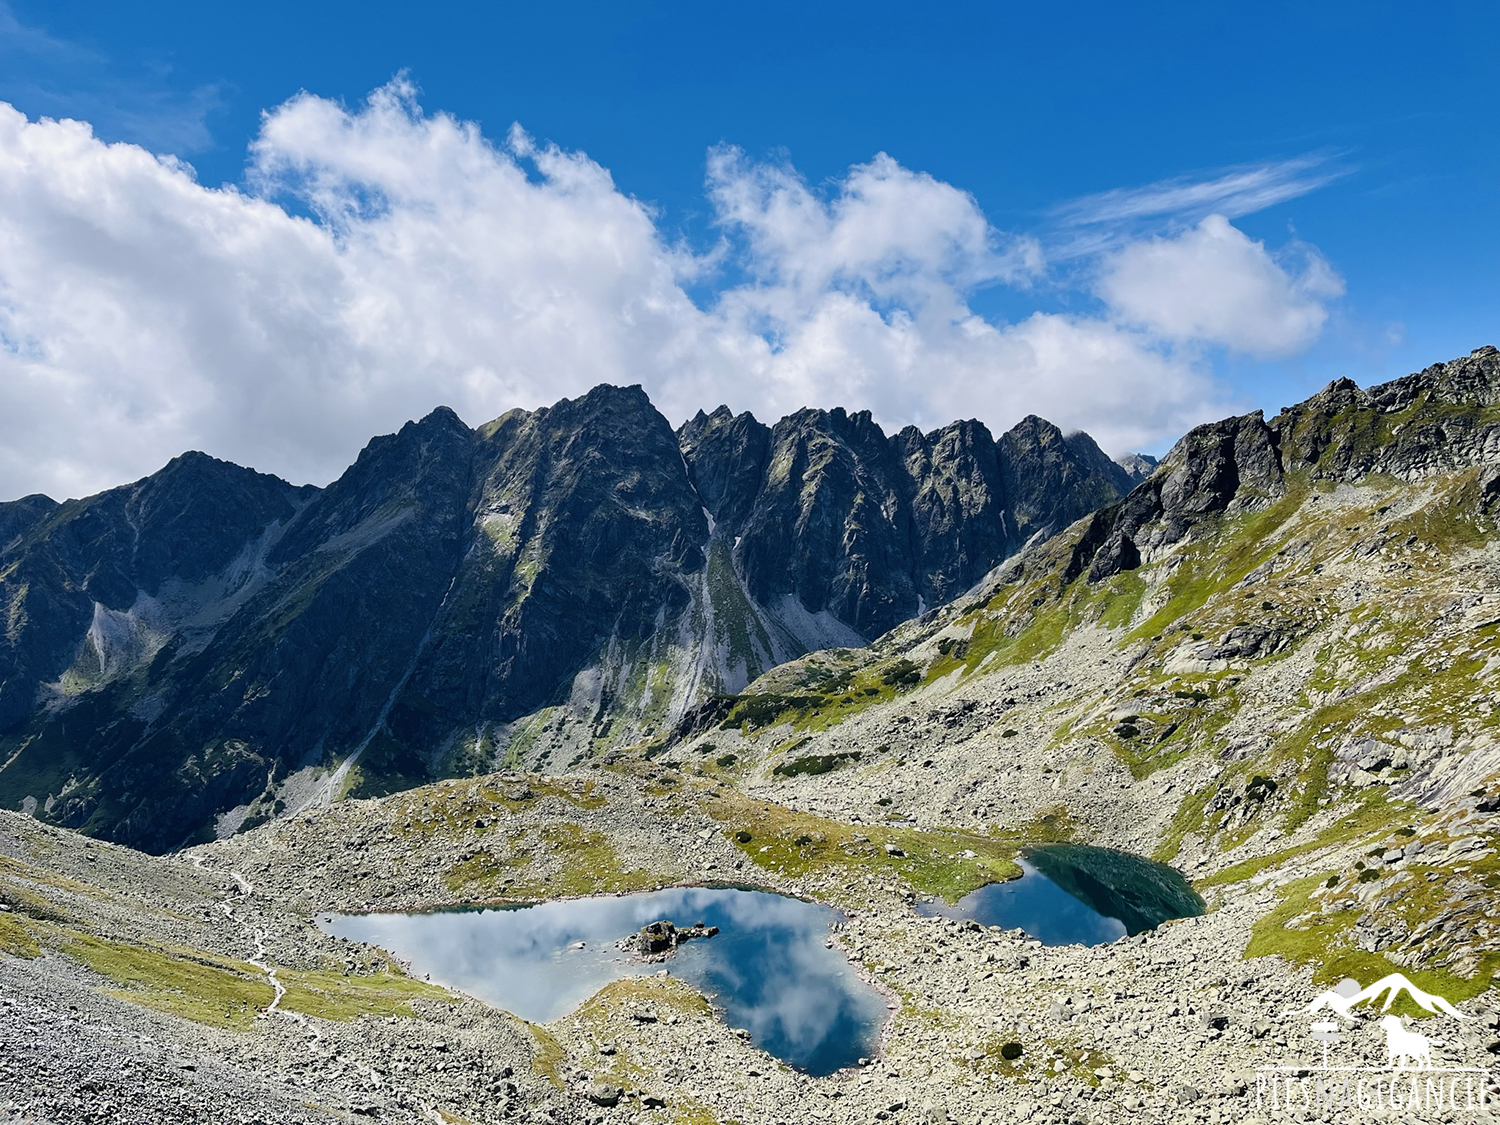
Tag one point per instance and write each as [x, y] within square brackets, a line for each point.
[440, 416]
[395, 477]
[726, 456]
[1137, 466]
[1437, 420]
[1340, 394]
[690, 430]
[1207, 468]
[1049, 479]
[1036, 429]
[19, 516]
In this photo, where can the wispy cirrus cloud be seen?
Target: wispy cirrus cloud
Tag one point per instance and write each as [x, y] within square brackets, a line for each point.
[1231, 192]
[61, 78]
[1166, 259]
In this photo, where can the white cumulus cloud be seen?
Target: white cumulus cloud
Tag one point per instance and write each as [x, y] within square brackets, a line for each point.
[380, 260]
[1215, 285]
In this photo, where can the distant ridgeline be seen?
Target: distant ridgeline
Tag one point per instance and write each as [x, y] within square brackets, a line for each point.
[196, 650]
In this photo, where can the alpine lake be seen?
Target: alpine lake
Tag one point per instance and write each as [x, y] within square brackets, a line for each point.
[772, 968]
[1073, 894]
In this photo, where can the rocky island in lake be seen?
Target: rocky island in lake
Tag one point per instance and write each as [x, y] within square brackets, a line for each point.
[660, 939]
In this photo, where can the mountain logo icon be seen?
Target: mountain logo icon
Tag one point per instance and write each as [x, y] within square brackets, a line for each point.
[1348, 994]
[1412, 1078]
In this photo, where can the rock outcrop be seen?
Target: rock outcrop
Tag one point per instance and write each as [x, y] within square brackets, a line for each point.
[1137, 466]
[825, 508]
[656, 940]
[1444, 418]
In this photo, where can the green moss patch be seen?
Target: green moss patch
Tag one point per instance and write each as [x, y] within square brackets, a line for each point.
[337, 996]
[451, 810]
[1301, 931]
[933, 862]
[217, 992]
[227, 993]
[658, 992]
[548, 1057]
[1376, 812]
[1221, 558]
[558, 859]
[16, 939]
[814, 764]
[829, 695]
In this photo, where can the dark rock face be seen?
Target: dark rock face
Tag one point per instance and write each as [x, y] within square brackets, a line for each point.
[825, 508]
[1434, 421]
[1051, 480]
[583, 528]
[960, 523]
[66, 566]
[179, 646]
[313, 659]
[1438, 420]
[726, 456]
[19, 516]
[828, 525]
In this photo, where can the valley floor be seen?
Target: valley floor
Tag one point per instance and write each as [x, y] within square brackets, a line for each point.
[128, 995]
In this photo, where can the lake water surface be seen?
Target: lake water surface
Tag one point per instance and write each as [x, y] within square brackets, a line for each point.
[1072, 894]
[768, 969]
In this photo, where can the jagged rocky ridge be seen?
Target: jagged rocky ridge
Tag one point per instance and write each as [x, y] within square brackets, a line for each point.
[1292, 702]
[1438, 420]
[199, 647]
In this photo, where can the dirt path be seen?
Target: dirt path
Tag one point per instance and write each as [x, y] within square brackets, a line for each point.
[259, 937]
[315, 1036]
[260, 963]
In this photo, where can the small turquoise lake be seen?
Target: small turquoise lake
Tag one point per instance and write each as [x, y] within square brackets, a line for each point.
[768, 970]
[1072, 894]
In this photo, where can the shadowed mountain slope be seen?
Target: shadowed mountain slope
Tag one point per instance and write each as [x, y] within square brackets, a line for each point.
[199, 649]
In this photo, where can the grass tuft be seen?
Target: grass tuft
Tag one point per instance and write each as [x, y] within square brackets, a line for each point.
[16, 939]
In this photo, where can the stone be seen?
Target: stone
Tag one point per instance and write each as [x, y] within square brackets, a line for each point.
[601, 1093]
[659, 939]
[656, 937]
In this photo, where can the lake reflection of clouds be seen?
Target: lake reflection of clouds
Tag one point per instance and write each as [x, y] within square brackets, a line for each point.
[768, 968]
[1039, 906]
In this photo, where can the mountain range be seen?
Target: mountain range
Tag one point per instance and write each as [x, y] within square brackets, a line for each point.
[200, 648]
[576, 653]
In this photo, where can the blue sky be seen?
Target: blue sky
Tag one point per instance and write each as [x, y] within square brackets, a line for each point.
[1096, 145]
